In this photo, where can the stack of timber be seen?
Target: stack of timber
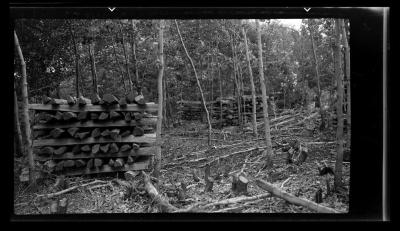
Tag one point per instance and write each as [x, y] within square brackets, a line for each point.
[193, 110]
[82, 136]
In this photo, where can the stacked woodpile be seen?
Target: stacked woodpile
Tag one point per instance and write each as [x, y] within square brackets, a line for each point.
[193, 110]
[82, 136]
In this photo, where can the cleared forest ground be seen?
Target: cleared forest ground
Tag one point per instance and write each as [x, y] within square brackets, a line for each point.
[184, 151]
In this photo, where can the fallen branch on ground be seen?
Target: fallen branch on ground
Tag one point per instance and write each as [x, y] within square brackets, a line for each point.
[51, 195]
[231, 154]
[165, 206]
[292, 199]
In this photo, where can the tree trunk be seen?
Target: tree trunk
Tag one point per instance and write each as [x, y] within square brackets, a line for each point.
[347, 70]
[318, 77]
[220, 94]
[117, 63]
[76, 61]
[126, 58]
[93, 68]
[157, 168]
[339, 134]
[135, 60]
[18, 134]
[198, 83]
[253, 89]
[264, 93]
[235, 77]
[25, 114]
[212, 87]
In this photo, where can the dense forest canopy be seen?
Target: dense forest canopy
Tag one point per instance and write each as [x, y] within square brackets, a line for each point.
[126, 50]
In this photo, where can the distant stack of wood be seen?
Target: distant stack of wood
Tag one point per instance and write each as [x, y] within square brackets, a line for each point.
[81, 136]
[193, 110]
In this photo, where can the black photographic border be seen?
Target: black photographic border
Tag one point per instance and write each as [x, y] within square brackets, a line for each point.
[367, 50]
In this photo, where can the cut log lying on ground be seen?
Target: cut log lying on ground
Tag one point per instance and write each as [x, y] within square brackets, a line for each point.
[82, 101]
[292, 199]
[165, 206]
[58, 101]
[71, 100]
[56, 132]
[60, 150]
[69, 116]
[82, 115]
[95, 99]
[110, 99]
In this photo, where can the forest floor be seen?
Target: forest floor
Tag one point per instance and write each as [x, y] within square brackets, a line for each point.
[184, 150]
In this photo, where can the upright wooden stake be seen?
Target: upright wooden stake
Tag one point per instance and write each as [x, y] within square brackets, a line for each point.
[160, 98]
[339, 134]
[264, 93]
[198, 84]
[25, 113]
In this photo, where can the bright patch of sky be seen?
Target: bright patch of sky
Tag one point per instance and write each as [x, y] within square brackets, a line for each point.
[293, 23]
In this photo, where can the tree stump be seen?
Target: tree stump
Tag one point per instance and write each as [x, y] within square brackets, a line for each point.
[239, 184]
[207, 179]
[318, 196]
